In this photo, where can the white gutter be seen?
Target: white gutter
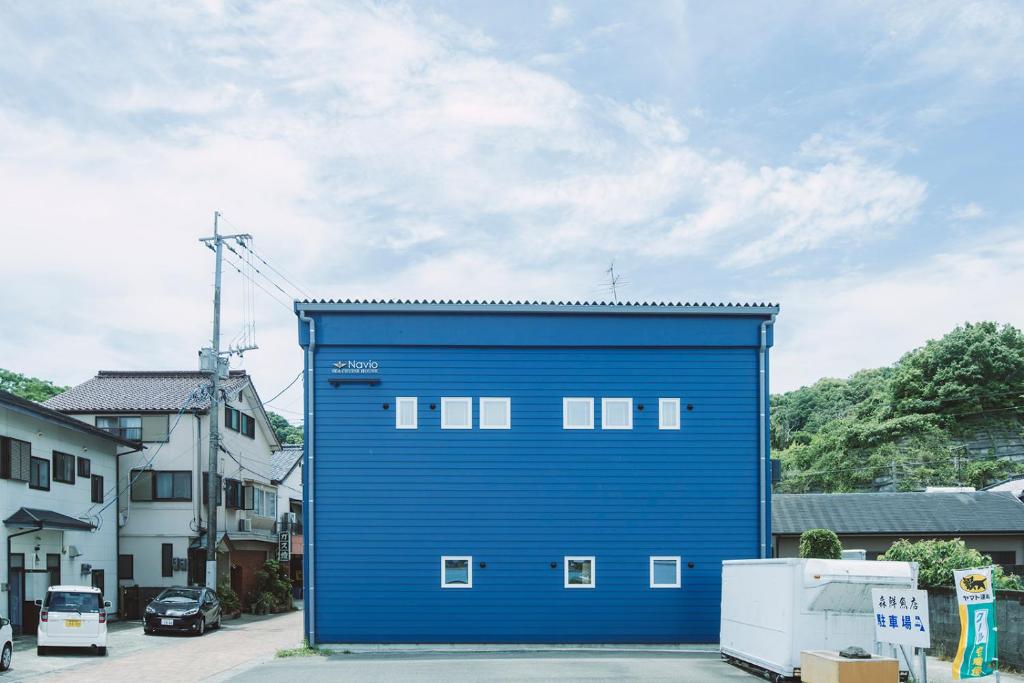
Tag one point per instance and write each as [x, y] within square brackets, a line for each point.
[762, 425]
[310, 530]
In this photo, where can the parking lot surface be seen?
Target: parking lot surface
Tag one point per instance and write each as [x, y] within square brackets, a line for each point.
[132, 656]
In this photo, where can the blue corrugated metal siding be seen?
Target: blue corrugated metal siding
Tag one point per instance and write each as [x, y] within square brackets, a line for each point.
[390, 503]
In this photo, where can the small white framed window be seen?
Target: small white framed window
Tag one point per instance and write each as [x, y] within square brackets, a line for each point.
[668, 413]
[666, 571]
[577, 413]
[495, 413]
[456, 571]
[405, 412]
[616, 413]
[580, 571]
[456, 412]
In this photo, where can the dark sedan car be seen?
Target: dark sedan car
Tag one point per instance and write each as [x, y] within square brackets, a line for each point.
[186, 610]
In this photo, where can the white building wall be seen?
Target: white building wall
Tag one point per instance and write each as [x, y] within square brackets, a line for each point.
[98, 548]
[150, 524]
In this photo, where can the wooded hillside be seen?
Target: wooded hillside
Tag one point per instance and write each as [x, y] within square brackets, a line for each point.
[947, 413]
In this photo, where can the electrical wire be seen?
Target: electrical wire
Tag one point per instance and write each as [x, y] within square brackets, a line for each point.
[199, 393]
[265, 290]
[278, 394]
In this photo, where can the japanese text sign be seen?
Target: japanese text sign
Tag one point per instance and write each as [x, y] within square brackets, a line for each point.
[901, 616]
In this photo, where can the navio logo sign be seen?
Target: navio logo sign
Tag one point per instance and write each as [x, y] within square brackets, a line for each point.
[355, 367]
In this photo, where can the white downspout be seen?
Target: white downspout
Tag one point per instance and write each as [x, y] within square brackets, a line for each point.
[762, 461]
[310, 531]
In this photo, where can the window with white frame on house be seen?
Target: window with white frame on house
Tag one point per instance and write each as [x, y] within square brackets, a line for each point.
[456, 571]
[264, 502]
[456, 412]
[616, 413]
[577, 413]
[666, 571]
[668, 413]
[495, 413]
[580, 572]
[405, 412]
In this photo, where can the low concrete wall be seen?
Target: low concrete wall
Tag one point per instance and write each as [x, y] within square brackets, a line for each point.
[945, 624]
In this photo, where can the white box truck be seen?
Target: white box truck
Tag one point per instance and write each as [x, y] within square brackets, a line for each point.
[774, 609]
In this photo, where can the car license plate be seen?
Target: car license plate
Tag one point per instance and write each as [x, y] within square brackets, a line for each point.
[72, 623]
[167, 622]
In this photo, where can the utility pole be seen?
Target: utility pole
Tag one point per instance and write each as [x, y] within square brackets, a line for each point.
[212, 476]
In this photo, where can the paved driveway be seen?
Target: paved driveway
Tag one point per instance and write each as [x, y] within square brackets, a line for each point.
[526, 666]
[132, 656]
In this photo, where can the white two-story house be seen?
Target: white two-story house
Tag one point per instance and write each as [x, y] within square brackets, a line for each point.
[163, 512]
[58, 503]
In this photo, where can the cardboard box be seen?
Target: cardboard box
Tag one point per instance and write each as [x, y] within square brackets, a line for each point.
[819, 666]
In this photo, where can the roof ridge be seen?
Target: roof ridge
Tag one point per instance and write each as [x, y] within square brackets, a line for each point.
[534, 302]
[162, 373]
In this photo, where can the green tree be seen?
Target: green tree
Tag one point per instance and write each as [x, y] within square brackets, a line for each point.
[31, 388]
[820, 543]
[937, 559]
[285, 430]
[906, 421]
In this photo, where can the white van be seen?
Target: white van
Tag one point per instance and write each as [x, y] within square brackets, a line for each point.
[72, 616]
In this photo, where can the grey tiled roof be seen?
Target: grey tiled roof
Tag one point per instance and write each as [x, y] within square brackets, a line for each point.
[281, 462]
[117, 391]
[898, 513]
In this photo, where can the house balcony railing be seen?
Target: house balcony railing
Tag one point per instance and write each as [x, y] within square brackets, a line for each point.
[130, 433]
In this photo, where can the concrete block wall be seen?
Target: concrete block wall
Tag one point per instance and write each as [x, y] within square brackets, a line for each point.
[945, 624]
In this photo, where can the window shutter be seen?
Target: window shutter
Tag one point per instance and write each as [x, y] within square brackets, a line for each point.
[21, 452]
[155, 427]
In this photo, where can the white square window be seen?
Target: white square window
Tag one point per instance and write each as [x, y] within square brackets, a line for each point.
[665, 571]
[456, 571]
[405, 412]
[668, 413]
[616, 413]
[456, 413]
[580, 572]
[577, 413]
[495, 413]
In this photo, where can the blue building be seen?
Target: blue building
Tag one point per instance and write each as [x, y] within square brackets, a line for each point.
[530, 473]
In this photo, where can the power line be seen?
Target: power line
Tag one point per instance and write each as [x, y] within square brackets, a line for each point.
[278, 394]
[265, 290]
[284, 277]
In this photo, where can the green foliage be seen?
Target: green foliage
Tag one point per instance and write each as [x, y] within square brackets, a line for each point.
[820, 543]
[937, 560]
[229, 601]
[285, 430]
[273, 589]
[906, 420]
[30, 388]
[306, 650]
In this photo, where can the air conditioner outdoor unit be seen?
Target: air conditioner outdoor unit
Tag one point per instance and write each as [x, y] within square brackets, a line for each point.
[245, 525]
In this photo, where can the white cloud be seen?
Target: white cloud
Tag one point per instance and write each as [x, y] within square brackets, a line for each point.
[373, 150]
[967, 212]
[977, 39]
[560, 15]
[869, 319]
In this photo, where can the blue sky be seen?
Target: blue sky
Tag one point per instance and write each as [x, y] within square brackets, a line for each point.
[858, 163]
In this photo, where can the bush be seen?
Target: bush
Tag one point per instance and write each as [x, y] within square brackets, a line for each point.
[822, 544]
[273, 589]
[937, 559]
[229, 601]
